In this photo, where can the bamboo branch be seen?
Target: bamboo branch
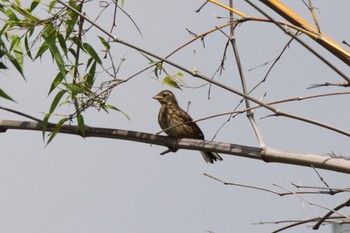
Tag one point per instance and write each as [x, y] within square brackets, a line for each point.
[267, 155]
[320, 38]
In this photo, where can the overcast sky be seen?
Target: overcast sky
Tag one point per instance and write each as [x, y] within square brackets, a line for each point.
[102, 185]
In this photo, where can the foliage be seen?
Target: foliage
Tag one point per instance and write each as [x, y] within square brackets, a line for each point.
[59, 34]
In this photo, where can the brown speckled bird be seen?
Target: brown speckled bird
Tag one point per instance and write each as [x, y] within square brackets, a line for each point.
[171, 114]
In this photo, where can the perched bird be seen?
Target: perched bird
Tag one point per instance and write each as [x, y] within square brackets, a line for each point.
[177, 123]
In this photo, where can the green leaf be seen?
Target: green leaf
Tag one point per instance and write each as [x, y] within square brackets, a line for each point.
[89, 62]
[41, 50]
[69, 27]
[89, 49]
[27, 48]
[57, 81]
[116, 109]
[5, 96]
[11, 15]
[105, 43]
[50, 38]
[56, 100]
[158, 65]
[56, 129]
[81, 124]
[15, 64]
[150, 61]
[18, 2]
[72, 51]
[34, 4]
[51, 5]
[15, 40]
[2, 66]
[74, 88]
[169, 81]
[47, 116]
[90, 76]
[62, 43]
[17, 50]
[45, 123]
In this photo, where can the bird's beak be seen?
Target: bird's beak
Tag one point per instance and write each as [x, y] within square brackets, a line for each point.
[157, 97]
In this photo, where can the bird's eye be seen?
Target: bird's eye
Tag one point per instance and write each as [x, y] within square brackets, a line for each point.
[164, 95]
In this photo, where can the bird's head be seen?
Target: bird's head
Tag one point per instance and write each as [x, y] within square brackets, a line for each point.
[166, 97]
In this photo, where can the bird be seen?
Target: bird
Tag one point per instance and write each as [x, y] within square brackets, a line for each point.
[179, 124]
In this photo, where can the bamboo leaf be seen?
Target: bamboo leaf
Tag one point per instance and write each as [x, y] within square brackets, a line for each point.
[90, 50]
[50, 38]
[169, 81]
[18, 2]
[5, 96]
[41, 50]
[90, 76]
[44, 126]
[62, 43]
[56, 100]
[117, 109]
[17, 50]
[51, 5]
[74, 88]
[47, 116]
[57, 81]
[56, 129]
[2, 66]
[81, 124]
[27, 47]
[105, 43]
[33, 5]
[15, 63]
[11, 15]
[150, 61]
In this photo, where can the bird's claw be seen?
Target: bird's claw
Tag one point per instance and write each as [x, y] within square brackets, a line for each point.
[171, 143]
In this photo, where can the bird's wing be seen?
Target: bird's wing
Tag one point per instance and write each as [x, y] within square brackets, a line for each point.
[194, 128]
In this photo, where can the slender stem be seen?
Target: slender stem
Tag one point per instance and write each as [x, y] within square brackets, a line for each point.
[250, 114]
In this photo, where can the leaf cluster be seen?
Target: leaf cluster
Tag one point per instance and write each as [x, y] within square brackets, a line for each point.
[60, 35]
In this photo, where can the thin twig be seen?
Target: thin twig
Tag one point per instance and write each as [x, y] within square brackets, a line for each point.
[318, 224]
[281, 194]
[274, 63]
[241, 185]
[313, 14]
[321, 178]
[312, 203]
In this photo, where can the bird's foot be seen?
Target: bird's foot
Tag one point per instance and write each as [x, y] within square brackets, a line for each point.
[171, 143]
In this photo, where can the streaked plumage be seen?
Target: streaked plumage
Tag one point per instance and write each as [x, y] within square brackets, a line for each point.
[177, 123]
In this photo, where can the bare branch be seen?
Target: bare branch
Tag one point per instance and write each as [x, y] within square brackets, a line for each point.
[313, 203]
[281, 194]
[321, 178]
[242, 185]
[345, 204]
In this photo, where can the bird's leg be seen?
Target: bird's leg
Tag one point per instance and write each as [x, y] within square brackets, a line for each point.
[171, 143]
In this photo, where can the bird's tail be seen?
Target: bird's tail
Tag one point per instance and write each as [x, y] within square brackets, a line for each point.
[211, 157]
